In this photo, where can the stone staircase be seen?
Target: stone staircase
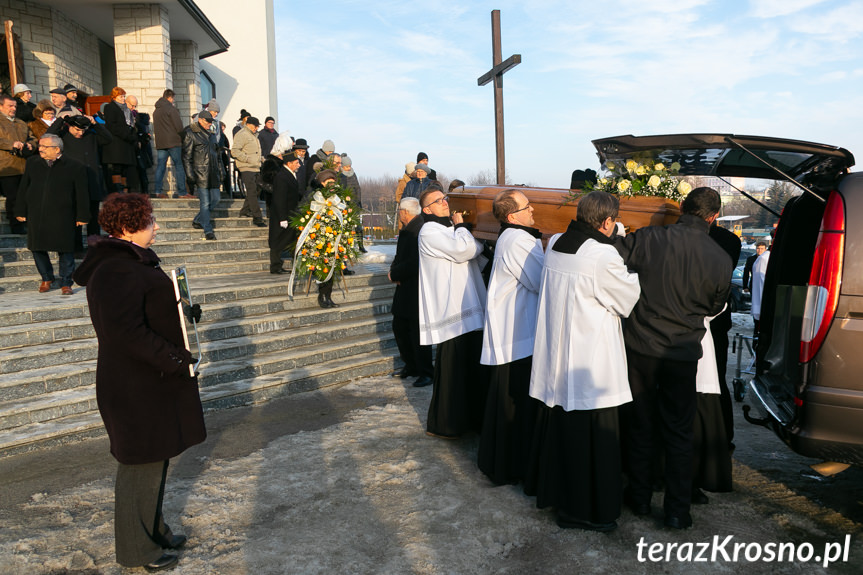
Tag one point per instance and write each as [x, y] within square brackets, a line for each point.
[256, 342]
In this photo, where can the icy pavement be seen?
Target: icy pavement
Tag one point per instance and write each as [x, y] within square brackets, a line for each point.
[371, 493]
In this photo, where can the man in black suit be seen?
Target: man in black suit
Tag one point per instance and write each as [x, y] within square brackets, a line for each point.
[286, 197]
[760, 248]
[404, 271]
[53, 199]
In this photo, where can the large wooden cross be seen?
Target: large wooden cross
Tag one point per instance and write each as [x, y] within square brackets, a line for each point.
[496, 74]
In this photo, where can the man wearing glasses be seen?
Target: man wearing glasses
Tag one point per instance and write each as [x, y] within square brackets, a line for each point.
[451, 311]
[53, 199]
[507, 343]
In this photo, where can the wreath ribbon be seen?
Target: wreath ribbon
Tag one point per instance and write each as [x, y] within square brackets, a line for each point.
[318, 206]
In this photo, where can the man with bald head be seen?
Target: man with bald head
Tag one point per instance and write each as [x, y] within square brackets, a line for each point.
[508, 335]
[144, 147]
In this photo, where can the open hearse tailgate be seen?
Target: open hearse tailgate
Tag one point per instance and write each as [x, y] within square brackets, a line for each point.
[725, 155]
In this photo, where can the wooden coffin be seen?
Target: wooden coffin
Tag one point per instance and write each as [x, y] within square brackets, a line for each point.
[549, 211]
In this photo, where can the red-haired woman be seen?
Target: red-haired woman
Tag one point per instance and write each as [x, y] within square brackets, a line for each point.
[119, 156]
[149, 404]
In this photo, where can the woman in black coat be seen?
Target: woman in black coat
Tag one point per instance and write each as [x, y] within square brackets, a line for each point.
[119, 156]
[148, 401]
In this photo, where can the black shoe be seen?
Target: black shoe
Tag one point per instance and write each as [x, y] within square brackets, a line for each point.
[197, 226]
[566, 522]
[166, 561]
[331, 303]
[279, 271]
[698, 497]
[363, 250]
[323, 302]
[210, 236]
[433, 434]
[175, 542]
[405, 373]
[259, 222]
[423, 381]
[638, 509]
[678, 521]
[348, 272]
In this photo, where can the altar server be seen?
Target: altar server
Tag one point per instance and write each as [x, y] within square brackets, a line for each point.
[452, 307]
[507, 344]
[579, 369]
[711, 451]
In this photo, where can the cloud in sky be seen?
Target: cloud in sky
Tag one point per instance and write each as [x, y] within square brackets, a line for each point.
[387, 80]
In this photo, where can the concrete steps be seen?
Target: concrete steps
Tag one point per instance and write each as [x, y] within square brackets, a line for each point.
[257, 343]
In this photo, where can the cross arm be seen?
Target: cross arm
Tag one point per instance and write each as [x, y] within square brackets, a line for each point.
[499, 70]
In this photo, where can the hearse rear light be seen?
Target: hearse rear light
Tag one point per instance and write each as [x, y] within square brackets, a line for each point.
[825, 279]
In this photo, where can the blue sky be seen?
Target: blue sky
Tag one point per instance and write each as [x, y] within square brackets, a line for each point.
[387, 79]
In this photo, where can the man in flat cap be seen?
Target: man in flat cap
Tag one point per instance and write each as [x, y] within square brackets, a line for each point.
[247, 155]
[58, 99]
[203, 166]
[70, 107]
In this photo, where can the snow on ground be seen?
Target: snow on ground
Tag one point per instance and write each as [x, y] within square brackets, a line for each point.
[379, 253]
[374, 494]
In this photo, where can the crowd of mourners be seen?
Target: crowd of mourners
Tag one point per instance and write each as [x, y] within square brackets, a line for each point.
[54, 155]
[587, 366]
[591, 365]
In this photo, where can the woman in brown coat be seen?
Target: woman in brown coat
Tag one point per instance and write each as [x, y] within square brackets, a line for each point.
[43, 117]
[148, 401]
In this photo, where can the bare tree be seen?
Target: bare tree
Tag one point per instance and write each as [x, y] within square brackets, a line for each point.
[379, 198]
[489, 178]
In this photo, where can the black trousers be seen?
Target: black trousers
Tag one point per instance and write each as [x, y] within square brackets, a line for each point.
[460, 387]
[279, 239]
[9, 188]
[251, 207]
[662, 413]
[417, 358]
[720, 345]
[140, 532]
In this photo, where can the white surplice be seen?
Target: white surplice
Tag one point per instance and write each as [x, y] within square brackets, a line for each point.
[513, 294]
[759, 270]
[452, 294]
[579, 359]
[707, 377]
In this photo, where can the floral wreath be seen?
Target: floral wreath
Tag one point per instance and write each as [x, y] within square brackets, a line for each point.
[327, 222]
[644, 178]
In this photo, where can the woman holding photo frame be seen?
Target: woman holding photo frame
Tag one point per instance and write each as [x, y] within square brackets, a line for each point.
[148, 401]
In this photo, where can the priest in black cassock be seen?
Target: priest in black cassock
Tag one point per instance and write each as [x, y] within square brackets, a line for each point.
[507, 344]
[452, 309]
[579, 370]
[404, 271]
